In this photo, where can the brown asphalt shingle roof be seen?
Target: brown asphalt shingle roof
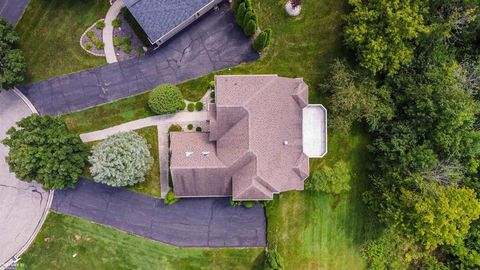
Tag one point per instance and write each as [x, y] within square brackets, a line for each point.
[256, 129]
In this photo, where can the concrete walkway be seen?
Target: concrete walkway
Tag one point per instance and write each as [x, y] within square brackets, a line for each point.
[108, 31]
[12, 10]
[163, 122]
[23, 206]
[209, 222]
[213, 42]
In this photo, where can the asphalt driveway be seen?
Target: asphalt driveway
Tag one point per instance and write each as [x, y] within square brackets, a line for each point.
[23, 206]
[212, 43]
[206, 222]
[12, 10]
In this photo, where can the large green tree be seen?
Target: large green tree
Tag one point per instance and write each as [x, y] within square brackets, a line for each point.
[42, 149]
[12, 63]
[383, 33]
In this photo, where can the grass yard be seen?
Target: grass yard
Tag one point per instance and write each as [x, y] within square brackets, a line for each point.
[151, 186]
[315, 230]
[50, 32]
[99, 247]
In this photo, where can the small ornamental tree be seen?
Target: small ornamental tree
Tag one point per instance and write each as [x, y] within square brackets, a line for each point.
[42, 149]
[199, 106]
[121, 160]
[273, 260]
[240, 14]
[248, 16]
[261, 42]
[166, 98]
[250, 28]
[12, 63]
[331, 180]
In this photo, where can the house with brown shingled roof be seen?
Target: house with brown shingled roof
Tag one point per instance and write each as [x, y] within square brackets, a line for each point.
[262, 134]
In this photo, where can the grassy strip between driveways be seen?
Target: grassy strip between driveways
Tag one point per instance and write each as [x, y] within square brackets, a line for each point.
[151, 186]
[73, 243]
[50, 33]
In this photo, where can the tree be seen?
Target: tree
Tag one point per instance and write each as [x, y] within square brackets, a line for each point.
[165, 99]
[430, 213]
[250, 28]
[240, 14]
[121, 160]
[331, 180]
[12, 63]
[261, 42]
[42, 149]
[273, 260]
[383, 33]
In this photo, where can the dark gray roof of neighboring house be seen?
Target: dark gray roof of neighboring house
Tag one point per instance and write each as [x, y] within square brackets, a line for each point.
[158, 17]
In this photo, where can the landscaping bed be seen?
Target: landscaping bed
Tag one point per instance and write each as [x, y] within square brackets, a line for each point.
[126, 43]
[49, 36]
[151, 185]
[92, 39]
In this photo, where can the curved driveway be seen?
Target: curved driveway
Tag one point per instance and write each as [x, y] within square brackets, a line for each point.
[23, 206]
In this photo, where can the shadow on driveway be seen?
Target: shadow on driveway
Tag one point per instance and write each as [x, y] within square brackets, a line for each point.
[205, 222]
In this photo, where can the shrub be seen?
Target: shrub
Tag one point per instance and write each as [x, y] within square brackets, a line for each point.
[100, 25]
[126, 41]
[212, 94]
[88, 46]
[99, 45]
[191, 107]
[174, 128]
[250, 28]
[236, 3]
[116, 22]
[331, 180]
[190, 126]
[199, 106]
[170, 198]
[211, 85]
[248, 3]
[90, 34]
[42, 149]
[241, 11]
[140, 51]
[235, 203]
[247, 17]
[198, 129]
[166, 98]
[273, 260]
[116, 41]
[260, 42]
[248, 204]
[183, 106]
[127, 48]
[121, 160]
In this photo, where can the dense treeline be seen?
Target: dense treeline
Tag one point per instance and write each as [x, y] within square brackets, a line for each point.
[416, 85]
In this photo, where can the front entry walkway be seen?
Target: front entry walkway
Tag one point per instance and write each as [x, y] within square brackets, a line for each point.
[205, 222]
[213, 42]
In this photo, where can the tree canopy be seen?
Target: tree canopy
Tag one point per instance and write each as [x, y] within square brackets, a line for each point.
[12, 63]
[42, 149]
[120, 160]
[166, 98]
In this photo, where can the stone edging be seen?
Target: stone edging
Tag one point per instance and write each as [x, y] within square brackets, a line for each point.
[84, 33]
[47, 206]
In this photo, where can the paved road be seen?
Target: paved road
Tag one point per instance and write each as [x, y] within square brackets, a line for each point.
[12, 10]
[23, 205]
[209, 222]
[212, 43]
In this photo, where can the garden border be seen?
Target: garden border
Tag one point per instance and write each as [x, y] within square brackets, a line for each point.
[84, 33]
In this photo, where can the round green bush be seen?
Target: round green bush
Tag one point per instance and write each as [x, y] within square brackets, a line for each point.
[116, 22]
[116, 41]
[248, 204]
[250, 28]
[191, 107]
[174, 128]
[198, 129]
[170, 198]
[212, 94]
[166, 98]
[121, 160]
[190, 126]
[199, 106]
[88, 46]
[261, 41]
[100, 25]
[211, 85]
[183, 106]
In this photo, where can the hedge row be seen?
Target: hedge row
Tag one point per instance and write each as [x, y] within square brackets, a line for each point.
[245, 16]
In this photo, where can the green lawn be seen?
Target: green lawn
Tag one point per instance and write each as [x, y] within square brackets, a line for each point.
[151, 186]
[50, 32]
[315, 230]
[99, 247]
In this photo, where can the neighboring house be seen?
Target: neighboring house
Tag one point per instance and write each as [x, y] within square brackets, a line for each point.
[262, 134]
[162, 19]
